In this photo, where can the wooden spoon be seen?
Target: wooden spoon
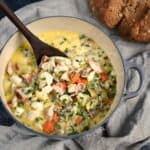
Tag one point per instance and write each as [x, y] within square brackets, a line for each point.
[40, 48]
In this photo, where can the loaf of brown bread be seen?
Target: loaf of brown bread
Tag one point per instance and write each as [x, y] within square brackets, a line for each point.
[141, 30]
[131, 17]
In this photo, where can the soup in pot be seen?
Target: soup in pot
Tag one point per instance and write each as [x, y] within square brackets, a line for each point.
[61, 96]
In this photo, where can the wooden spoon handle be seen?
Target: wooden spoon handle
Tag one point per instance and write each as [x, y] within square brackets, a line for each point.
[10, 14]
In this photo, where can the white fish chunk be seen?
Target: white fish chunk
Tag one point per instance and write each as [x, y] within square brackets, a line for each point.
[19, 111]
[10, 69]
[14, 102]
[65, 76]
[16, 80]
[37, 106]
[41, 95]
[91, 76]
[51, 111]
[47, 89]
[32, 115]
[46, 79]
[66, 99]
[72, 88]
[95, 66]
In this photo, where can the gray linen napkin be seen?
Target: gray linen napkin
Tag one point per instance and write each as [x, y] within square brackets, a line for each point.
[129, 126]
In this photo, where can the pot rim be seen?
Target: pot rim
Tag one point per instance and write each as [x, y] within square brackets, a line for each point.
[58, 137]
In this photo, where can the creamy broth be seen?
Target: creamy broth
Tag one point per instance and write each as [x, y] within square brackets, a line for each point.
[61, 96]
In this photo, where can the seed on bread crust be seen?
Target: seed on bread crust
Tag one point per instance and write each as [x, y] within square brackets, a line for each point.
[134, 11]
[141, 30]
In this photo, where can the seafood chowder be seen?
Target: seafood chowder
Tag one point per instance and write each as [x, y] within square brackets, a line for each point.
[61, 96]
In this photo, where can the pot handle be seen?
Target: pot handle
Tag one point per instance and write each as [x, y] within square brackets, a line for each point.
[140, 71]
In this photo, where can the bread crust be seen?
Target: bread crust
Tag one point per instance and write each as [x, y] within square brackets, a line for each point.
[141, 30]
[134, 11]
[98, 7]
[131, 17]
[114, 12]
[108, 11]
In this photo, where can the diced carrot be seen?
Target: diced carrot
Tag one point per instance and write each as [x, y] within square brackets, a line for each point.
[48, 126]
[75, 78]
[55, 118]
[104, 77]
[81, 80]
[63, 85]
[78, 120]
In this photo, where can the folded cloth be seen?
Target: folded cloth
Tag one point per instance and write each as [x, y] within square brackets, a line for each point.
[129, 126]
